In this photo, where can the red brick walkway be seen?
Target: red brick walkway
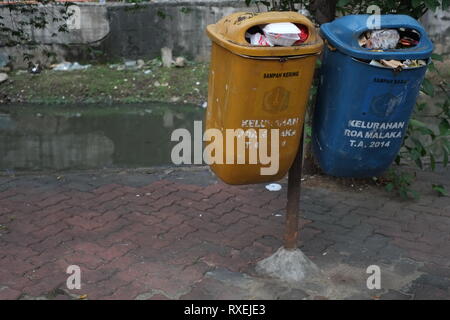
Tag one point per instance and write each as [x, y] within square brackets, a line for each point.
[180, 234]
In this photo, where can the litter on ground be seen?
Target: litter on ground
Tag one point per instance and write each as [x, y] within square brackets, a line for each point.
[69, 66]
[273, 187]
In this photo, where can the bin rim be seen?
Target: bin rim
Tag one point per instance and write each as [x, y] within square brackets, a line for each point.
[344, 32]
[229, 33]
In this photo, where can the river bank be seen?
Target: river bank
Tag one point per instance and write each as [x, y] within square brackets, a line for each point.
[109, 84]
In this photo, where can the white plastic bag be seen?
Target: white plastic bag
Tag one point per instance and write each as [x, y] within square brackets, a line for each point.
[282, 34]
[69, 66]
[383, 39]
[258, 39]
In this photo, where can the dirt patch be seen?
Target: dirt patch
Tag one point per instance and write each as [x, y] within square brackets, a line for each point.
[339, 184]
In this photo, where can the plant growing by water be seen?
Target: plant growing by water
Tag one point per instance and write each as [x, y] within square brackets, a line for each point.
[422, 144]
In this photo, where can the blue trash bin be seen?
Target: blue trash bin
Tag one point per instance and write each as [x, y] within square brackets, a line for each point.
[362, 111]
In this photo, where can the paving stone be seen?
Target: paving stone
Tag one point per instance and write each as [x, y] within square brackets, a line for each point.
[350, 220]
[376, 242]
[9, 294]
[429, 292]
[294, 294]
[395, 295]
[390, 253]
[185, 224]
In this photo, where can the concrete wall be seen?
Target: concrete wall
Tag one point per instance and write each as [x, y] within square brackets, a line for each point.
[438, 26]
[143, 32]
[128, 31]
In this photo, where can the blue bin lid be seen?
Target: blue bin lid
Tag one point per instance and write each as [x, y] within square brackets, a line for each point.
[343, 34]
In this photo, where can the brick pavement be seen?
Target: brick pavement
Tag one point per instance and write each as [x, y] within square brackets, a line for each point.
[180, 234]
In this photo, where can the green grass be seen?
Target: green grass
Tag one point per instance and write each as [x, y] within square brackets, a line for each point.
[100, 84]
[69, 110]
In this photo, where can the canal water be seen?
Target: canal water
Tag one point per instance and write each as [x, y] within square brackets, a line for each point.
[40, 137]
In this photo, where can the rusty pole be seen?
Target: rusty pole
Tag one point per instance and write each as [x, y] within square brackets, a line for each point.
[293, 199]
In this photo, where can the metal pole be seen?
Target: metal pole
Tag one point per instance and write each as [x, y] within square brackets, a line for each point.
[293, 199]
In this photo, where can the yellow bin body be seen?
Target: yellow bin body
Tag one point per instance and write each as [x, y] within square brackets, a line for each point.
[252, 87]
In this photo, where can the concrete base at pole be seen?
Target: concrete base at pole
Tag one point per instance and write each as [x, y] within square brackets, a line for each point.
[288, 265]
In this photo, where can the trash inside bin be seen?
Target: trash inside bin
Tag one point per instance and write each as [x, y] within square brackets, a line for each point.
[283, 34]
[381, 39]
[258, 85]
[389, 39]
[366, 96]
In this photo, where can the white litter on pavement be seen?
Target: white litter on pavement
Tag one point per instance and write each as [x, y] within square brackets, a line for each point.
[273, 187]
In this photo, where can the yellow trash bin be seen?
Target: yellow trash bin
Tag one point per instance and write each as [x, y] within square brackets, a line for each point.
[258, 93]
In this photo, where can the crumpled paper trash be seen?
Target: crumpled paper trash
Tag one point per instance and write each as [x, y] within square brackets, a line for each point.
[399, 65]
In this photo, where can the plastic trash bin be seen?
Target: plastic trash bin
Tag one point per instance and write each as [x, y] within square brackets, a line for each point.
[363, 107]
[257, 87]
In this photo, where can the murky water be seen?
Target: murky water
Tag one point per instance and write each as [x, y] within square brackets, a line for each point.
[67, 137]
